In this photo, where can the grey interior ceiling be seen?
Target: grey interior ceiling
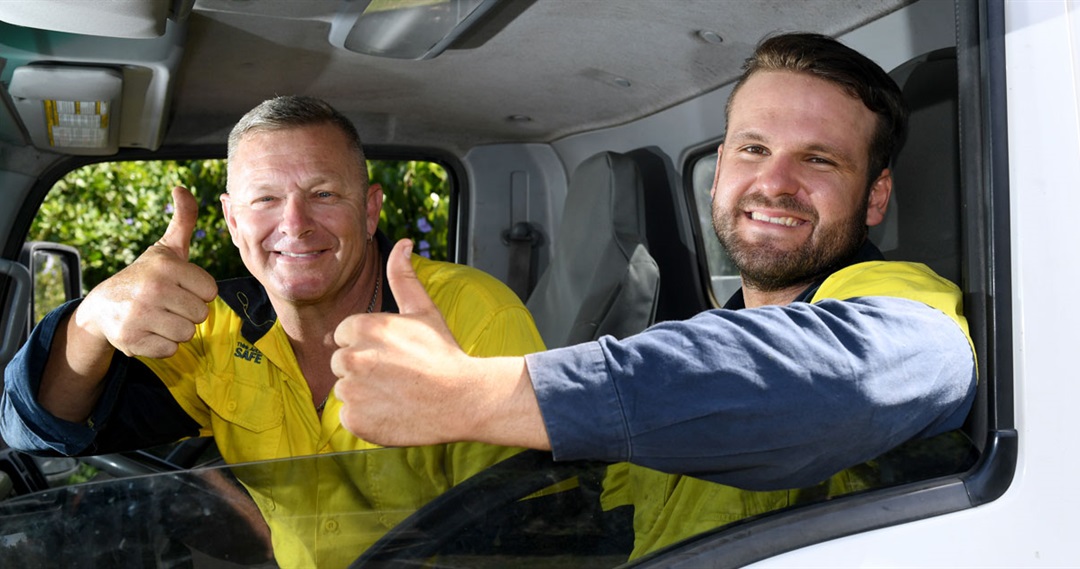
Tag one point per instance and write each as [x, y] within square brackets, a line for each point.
[541, 59]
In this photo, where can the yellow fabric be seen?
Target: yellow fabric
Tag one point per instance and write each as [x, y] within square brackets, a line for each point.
[669, 508]
[913, 281]
[256, 404]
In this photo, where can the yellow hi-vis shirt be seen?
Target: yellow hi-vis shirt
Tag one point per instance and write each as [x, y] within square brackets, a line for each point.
[669, 508]
[253, 399]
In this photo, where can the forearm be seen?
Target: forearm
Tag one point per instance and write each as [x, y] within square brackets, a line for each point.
[131, 406]
[78, 361]
[25, 423]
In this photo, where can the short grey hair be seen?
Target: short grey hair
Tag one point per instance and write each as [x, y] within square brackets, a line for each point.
[291, 111]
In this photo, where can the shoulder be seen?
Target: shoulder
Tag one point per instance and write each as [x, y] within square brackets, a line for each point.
[897, 279]
[453, 284]
[485, 316]
[914, 281]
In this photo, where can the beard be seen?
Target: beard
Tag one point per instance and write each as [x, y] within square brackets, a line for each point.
[768, 268]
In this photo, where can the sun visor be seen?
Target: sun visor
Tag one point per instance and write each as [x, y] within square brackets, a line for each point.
[74, 110]
[112, 18]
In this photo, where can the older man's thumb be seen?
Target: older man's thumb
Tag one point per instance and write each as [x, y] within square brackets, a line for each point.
[408, 292]
[182, 225]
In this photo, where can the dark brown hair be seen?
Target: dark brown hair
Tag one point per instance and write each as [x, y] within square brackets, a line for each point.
[828, 59]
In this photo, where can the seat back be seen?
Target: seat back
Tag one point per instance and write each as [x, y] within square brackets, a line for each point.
[923, 221]
[601, 279]
[926, 216]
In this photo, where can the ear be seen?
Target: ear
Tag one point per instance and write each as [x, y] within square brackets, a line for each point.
[716, 174]
[226, 210]
[374, 206]
[878, 203]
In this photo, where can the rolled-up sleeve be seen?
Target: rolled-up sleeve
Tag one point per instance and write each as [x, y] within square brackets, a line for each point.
[27, 426]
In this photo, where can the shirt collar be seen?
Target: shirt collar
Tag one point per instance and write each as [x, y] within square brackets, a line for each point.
[867, 252]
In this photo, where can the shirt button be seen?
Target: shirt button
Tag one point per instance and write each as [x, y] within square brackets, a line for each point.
[331, 525]
[231, 405]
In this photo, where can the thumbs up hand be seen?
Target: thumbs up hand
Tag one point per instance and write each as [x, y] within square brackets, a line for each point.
[393, 369]
[404, 381]
[154, 304]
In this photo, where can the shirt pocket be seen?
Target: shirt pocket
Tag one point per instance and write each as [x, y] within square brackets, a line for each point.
[254, 407]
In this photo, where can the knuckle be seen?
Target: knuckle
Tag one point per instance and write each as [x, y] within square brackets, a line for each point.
[201, 313]
[188, 333]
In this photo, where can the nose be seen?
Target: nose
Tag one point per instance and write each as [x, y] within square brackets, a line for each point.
[296, 217]
[777, 176]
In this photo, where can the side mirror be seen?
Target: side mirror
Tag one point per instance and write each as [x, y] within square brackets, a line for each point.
[56, 276]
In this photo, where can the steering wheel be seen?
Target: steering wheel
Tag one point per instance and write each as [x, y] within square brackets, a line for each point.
[482, 497]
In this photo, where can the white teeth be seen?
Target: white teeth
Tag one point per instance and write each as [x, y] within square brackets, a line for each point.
[788, 221]
[297, 255]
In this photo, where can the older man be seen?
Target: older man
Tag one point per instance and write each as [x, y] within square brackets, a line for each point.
[160, 351]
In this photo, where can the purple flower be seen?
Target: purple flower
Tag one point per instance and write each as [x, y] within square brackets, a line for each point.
[129, 221]
[423, 225]
[425, 249]
[169, 208]
[200, 234]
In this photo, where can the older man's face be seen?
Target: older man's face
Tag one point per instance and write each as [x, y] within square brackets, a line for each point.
[298, 211]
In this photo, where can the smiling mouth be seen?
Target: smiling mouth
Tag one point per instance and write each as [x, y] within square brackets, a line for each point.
[299, 255]
[785, 221]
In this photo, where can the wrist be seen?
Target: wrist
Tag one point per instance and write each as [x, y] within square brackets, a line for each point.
[511, 414]
[84, 329]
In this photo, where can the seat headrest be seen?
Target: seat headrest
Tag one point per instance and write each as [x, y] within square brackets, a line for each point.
[601, 279]
[923, 222]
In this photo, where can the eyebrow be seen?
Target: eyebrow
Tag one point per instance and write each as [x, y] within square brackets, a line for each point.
[750, 135]
[264, 186]
[746, 136]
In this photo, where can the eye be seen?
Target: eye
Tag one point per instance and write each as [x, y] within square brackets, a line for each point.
[755, 149]
[323, 193]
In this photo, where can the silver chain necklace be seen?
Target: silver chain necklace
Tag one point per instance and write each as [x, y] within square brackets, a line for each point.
[370, 309]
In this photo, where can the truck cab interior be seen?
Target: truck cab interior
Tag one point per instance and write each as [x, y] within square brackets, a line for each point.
[579, 141]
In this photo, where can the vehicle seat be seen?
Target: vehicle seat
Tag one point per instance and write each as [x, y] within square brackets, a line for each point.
[923, 220]
[601, 279]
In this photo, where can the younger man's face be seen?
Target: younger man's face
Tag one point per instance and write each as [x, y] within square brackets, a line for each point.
[790, 197]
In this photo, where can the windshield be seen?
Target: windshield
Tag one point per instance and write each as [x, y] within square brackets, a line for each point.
[320, 511]
[368, 508]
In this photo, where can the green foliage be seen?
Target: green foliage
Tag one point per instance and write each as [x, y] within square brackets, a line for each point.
[111, 212]
[417, 204]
